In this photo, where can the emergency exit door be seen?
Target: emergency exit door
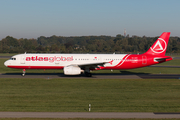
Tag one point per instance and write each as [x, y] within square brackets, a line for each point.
[144, 60]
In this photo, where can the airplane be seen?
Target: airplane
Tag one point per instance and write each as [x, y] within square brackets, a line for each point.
[75, 64]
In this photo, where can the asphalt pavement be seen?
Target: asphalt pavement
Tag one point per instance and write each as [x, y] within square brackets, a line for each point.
[87, 115]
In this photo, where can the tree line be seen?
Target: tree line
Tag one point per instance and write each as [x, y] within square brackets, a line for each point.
[84, 44]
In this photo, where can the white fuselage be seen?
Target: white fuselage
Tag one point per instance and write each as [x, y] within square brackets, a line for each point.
[53, 61]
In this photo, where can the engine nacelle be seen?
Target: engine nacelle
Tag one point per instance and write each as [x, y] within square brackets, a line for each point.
[72, 70]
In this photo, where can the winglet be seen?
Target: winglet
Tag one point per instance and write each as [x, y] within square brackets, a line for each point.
[160, 46]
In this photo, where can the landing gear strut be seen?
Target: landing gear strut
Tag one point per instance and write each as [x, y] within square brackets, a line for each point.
[24, 71]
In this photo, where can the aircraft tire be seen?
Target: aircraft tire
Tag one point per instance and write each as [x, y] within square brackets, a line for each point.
[88, 74]
[23, 74]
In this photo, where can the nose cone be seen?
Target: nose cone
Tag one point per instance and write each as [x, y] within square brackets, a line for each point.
[6, 63]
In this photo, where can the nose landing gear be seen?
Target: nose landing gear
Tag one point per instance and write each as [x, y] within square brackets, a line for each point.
[24, 71]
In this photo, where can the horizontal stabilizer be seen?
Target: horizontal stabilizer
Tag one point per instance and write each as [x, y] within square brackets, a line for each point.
[166, 58]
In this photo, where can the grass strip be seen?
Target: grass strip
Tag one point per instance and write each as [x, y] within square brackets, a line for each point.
[104, 95]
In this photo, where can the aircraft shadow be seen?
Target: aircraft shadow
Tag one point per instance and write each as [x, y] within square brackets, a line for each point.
[122, 73]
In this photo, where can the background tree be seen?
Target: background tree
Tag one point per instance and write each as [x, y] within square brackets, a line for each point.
[84, 44]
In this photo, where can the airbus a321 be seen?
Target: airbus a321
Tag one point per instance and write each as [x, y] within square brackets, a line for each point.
[75, 64]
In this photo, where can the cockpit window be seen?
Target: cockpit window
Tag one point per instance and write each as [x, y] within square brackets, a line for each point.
[12, 58]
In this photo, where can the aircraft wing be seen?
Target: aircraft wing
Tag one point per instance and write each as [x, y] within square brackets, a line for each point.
[98, 65]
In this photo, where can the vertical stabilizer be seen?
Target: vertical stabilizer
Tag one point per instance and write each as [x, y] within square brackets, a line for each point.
[160, 46]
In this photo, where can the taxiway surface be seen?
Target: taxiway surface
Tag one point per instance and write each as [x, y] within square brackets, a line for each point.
[87, 115]
[94, 76]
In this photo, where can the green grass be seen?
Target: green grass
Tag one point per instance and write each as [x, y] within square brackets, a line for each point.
[8, 54]
[74, 95]
[105, 95]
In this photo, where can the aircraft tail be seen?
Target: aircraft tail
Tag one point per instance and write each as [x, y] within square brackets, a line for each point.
[160, 46]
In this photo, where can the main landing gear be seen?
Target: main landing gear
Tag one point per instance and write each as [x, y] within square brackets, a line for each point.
[88, 74]
[24, 71]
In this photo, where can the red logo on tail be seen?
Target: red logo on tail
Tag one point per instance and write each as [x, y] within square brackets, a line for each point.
[160, 46]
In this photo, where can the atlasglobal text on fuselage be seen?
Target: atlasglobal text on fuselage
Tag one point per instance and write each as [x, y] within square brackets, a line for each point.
[75, 64]
[50, 59]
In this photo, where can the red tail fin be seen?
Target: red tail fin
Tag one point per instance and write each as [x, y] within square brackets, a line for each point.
[160, 46]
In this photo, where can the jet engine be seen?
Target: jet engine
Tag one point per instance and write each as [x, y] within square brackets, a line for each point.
[72, 70]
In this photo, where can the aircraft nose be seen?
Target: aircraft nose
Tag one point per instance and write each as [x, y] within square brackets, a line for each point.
[6, 63]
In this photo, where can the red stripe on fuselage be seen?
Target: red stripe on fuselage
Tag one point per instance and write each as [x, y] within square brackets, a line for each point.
[122, 61]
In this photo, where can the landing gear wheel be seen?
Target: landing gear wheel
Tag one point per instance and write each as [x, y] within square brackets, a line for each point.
[23, 74]
[88, 74]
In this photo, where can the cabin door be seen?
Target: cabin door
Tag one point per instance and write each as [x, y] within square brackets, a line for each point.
[144, 60]
[22, 61]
